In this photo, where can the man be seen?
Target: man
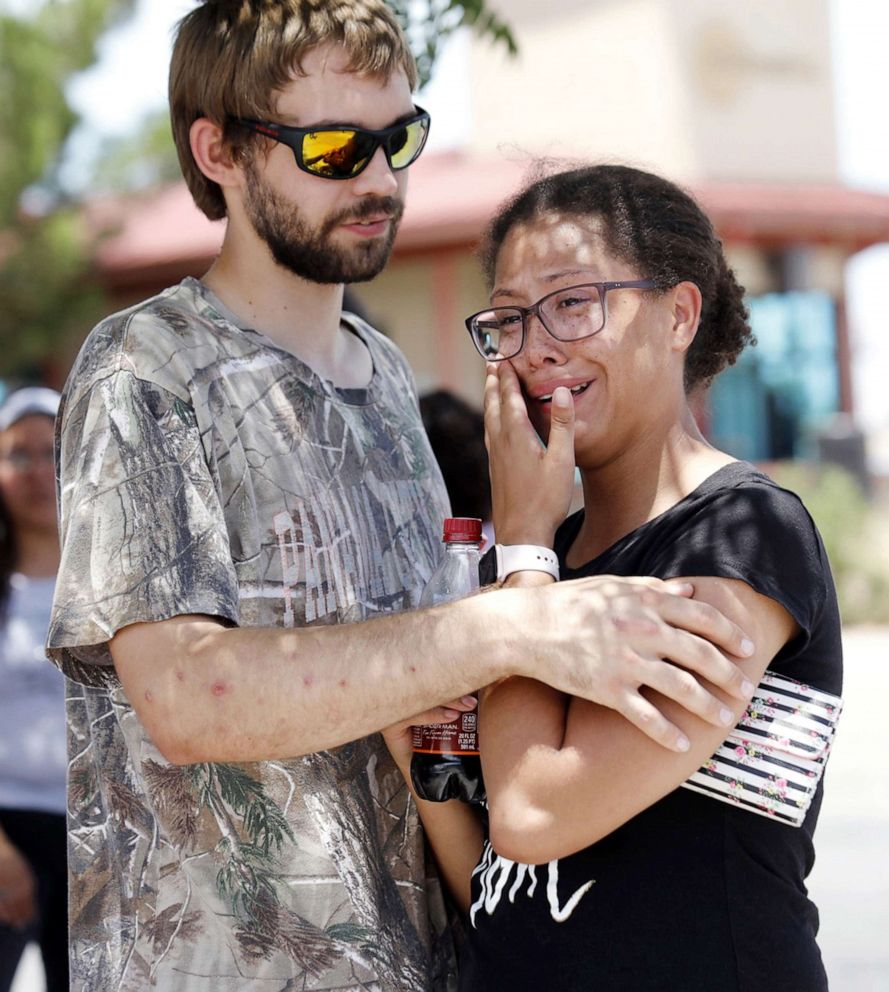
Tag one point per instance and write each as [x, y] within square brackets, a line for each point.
[244, 476]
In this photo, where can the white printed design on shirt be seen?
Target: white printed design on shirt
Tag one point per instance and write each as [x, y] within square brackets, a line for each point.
[334, 556]
[495, 872]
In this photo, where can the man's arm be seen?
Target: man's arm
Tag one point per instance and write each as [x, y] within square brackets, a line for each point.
[206, 692]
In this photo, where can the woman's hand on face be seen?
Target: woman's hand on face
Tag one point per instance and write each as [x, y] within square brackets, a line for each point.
[531, 484]
[18, 905]
[399, 736]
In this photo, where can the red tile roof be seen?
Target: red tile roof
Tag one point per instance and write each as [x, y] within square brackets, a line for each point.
[779, 214]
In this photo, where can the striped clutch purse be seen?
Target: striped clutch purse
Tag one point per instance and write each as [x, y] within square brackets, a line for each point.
[773, 760]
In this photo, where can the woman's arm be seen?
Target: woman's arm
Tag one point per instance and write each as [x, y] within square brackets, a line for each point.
[562, 773]
[455, 834]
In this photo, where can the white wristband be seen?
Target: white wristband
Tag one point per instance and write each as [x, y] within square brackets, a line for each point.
[525, 558]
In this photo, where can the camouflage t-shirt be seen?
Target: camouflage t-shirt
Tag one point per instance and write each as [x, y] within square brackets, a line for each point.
[204, 470]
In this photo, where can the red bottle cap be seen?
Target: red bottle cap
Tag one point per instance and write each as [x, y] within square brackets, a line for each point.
[463, 529]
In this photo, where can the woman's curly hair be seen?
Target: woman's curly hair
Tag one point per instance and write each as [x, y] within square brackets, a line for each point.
[661, 232]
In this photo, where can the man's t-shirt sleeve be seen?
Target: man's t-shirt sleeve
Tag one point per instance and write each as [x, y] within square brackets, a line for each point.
[143, 534]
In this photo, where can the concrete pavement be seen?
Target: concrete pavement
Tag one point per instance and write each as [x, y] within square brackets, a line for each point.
[850, 882]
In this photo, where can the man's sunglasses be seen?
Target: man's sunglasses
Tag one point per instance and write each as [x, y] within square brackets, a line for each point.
[344, 152]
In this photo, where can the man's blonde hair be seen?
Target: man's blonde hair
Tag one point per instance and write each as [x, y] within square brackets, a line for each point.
[230, 57]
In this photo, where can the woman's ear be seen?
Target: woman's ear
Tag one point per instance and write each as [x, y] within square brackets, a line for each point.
[686, 314]
[213, 158]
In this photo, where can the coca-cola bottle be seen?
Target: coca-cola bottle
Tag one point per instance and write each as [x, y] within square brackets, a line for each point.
[445, 762]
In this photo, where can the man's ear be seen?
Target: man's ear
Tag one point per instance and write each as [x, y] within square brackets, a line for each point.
[211, 155]
[687, 305]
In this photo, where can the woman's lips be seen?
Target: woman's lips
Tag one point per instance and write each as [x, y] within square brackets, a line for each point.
[575, 390]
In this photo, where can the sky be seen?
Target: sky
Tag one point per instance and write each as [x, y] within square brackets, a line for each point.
[131, 79]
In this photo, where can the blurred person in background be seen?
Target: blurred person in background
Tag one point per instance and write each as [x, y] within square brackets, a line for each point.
[33, 873]
[456, 432]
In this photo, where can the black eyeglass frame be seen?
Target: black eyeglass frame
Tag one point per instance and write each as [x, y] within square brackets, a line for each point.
[534, 311]
[293, 138]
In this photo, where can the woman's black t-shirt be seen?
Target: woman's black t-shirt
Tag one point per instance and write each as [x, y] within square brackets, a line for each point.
[691, 895]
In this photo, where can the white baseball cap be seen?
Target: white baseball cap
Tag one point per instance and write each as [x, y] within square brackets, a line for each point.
[31, 399]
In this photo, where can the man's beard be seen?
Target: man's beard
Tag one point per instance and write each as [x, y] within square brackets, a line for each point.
[310, 253]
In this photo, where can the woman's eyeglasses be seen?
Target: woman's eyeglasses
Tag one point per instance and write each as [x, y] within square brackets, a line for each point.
[567, 314]
[344, 152]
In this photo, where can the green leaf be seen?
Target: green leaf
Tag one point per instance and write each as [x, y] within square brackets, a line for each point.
[430, 23]
[350, 933]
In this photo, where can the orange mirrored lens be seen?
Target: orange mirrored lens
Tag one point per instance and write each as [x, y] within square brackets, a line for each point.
[344, 153]
[335, 153]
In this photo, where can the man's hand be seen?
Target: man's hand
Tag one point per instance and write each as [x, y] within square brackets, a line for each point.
[18, 905]
[605, 638]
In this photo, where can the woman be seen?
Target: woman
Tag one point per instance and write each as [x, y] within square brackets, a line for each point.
[611, 305]
[33, 874]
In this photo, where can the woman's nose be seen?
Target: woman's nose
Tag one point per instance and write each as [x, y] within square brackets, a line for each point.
[540, 346]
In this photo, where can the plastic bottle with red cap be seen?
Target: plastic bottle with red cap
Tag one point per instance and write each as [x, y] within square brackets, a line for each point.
[445, 763]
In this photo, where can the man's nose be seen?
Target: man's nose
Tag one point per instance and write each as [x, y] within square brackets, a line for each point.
[378, 177]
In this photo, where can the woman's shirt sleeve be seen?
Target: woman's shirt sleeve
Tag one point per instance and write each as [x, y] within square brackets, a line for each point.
[762, 535]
